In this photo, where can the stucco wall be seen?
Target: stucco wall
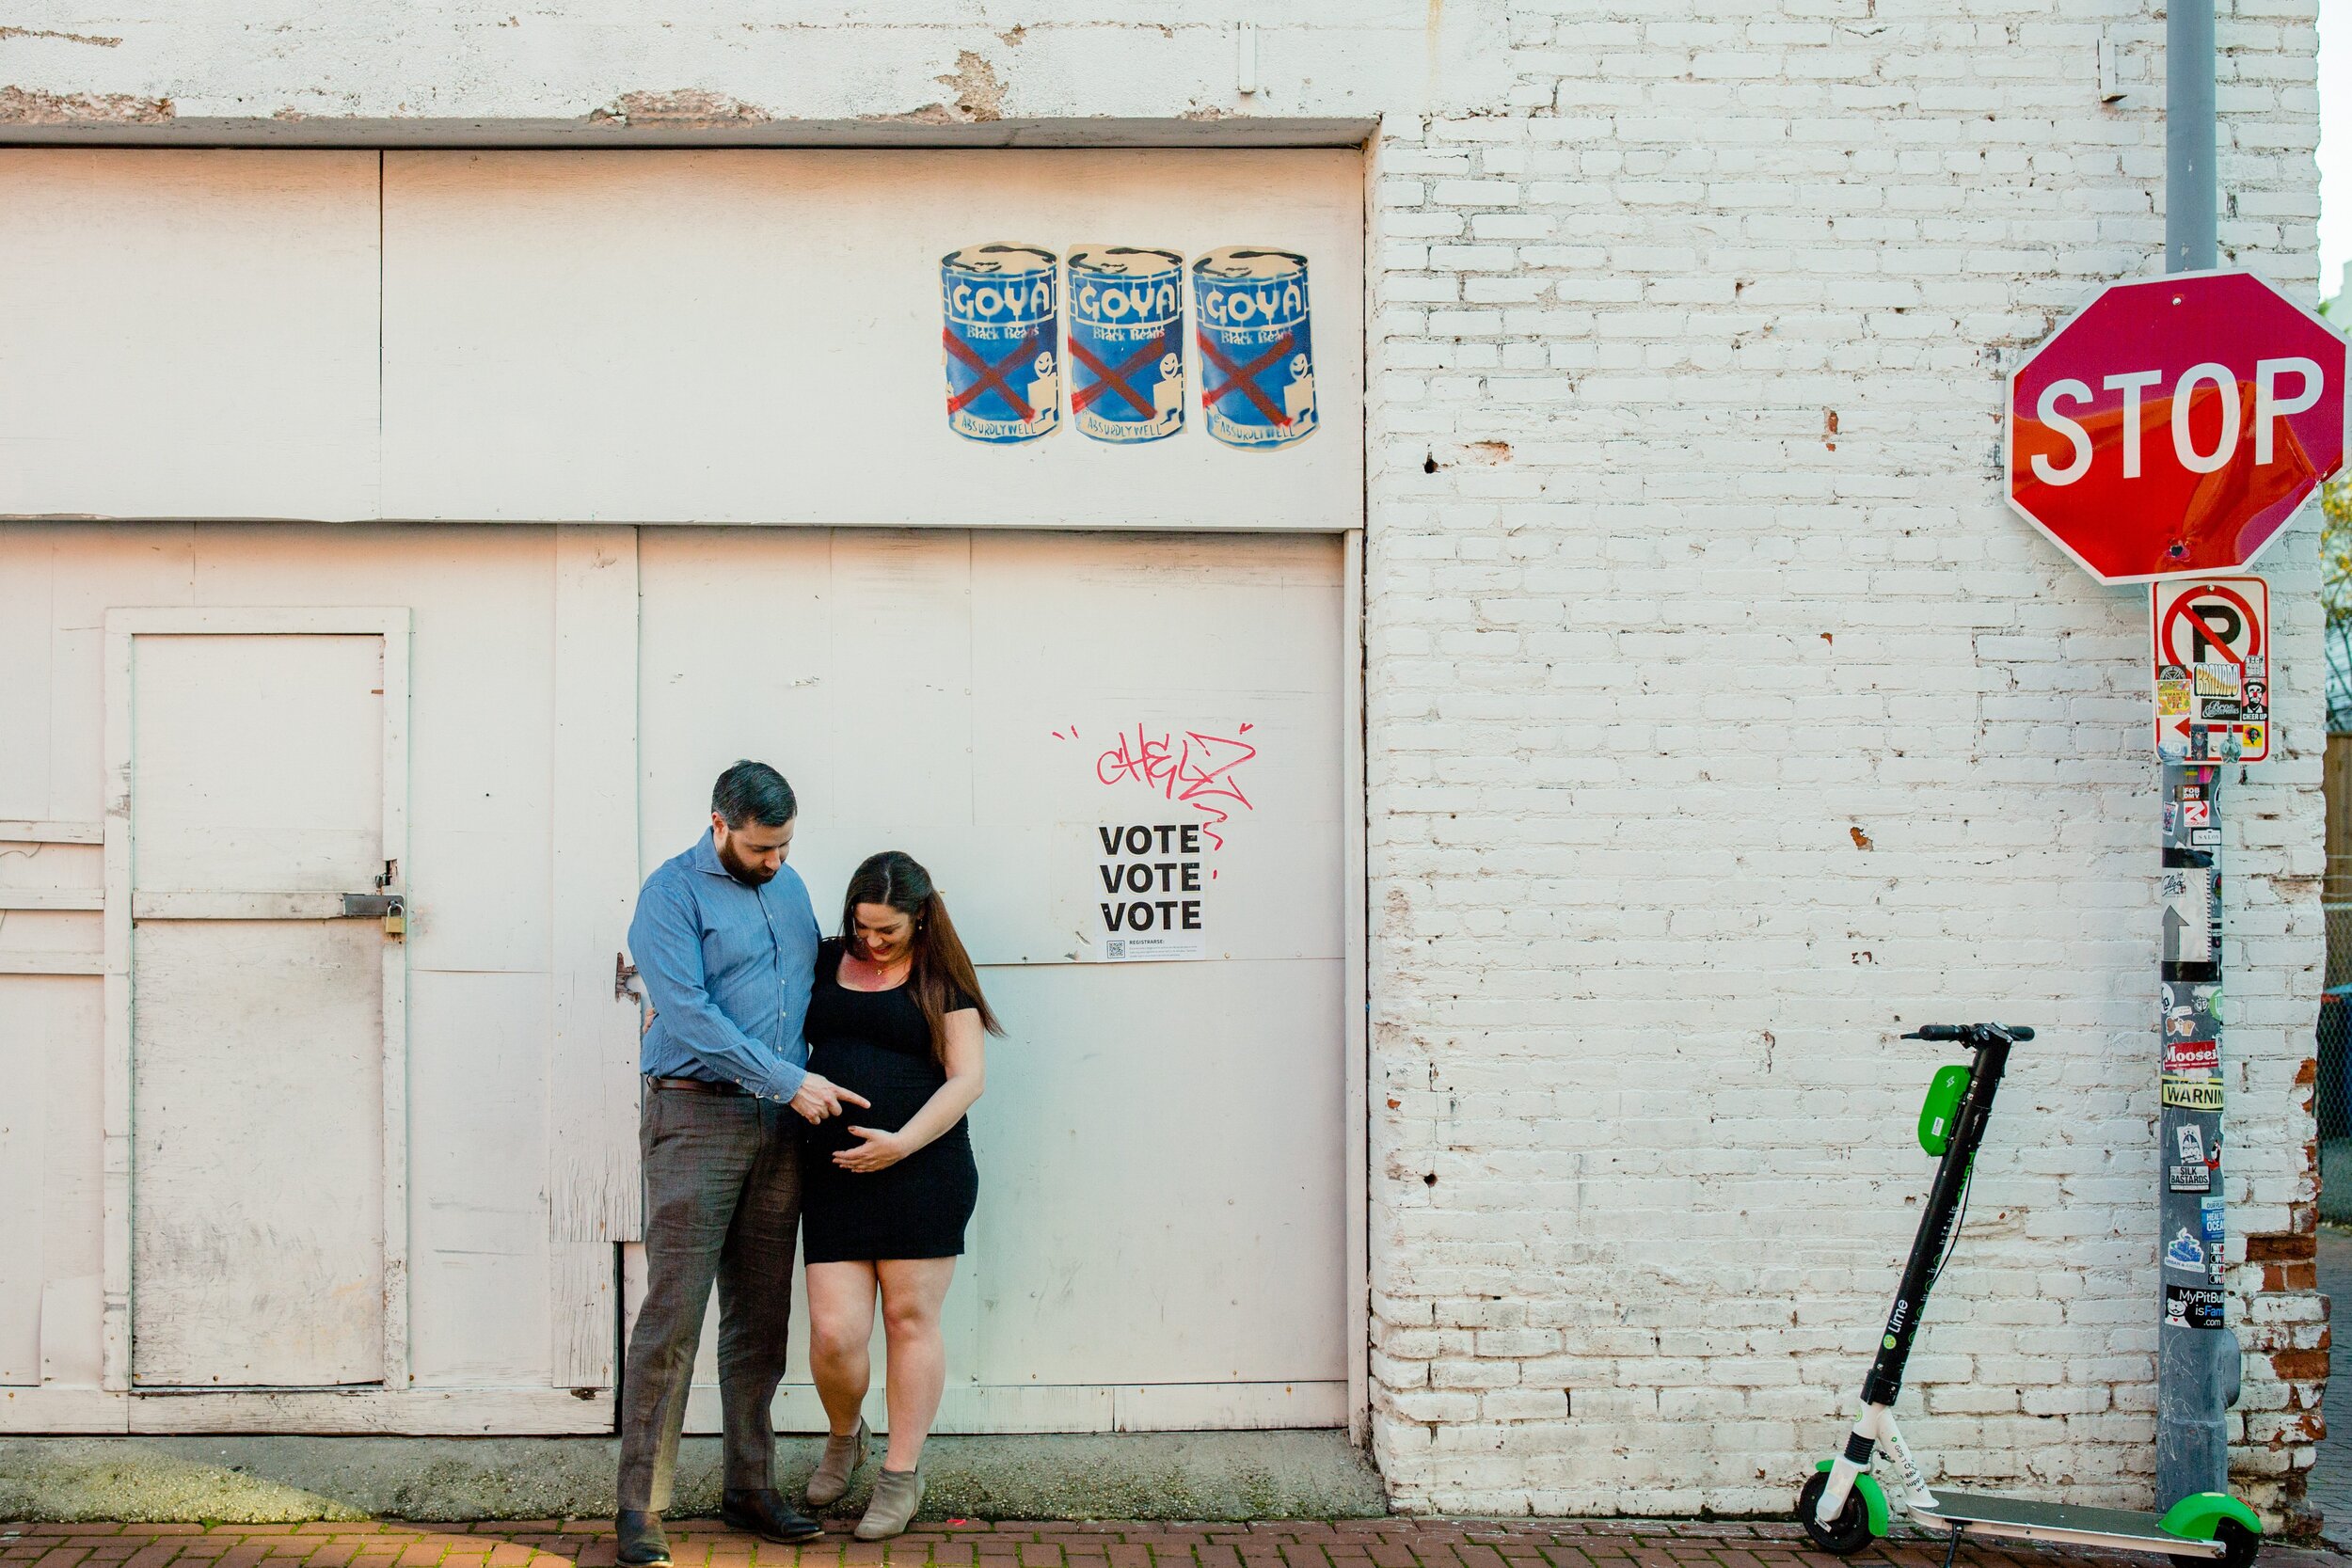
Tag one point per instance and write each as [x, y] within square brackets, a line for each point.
[1722, 719]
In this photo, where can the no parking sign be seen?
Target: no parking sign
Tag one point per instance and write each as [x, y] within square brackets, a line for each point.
[2212, 642]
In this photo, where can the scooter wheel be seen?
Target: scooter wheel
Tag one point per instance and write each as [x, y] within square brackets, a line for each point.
[1851, 1533]
[2238, 1546]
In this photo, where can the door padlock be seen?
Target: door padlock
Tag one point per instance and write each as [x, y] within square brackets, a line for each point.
[391, 907]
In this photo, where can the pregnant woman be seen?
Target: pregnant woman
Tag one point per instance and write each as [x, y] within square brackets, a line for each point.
[895, 1015]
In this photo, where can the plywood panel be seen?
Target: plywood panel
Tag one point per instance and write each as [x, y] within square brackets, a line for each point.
[478, 1160]
[258, 763]
[761, 333]
[56, 582]
[735, 662]
[593, 1194]
[258, 1248]
[205, 338]
[1139, 1222]
[23, 1044]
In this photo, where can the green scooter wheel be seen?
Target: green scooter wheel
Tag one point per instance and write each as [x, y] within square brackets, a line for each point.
[2238, 1547]
[1851, 1532]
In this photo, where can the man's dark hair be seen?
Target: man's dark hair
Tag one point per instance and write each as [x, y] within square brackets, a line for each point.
[753, 792]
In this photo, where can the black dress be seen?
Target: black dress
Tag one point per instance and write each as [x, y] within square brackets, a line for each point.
[875, 1043]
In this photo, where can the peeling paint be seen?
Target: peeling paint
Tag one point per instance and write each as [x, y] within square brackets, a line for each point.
[930, 114]
[31, 107]
[979, 96]
[686, 108]
[96, 39]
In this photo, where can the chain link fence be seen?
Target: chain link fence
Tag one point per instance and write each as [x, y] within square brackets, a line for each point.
[2331, 1096]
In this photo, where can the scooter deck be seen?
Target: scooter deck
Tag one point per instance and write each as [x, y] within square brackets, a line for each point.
[1984, 1514]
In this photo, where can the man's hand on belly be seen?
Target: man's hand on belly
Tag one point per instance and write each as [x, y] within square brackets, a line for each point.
[819, 1097]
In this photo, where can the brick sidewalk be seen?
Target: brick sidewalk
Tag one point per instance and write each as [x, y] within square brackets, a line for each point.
[703, 1543]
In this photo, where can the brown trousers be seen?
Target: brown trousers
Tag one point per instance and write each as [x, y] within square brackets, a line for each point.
[722, 1204]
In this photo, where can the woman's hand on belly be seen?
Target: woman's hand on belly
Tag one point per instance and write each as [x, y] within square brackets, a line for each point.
[875, 1150]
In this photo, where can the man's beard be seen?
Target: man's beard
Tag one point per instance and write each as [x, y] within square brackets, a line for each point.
[750, 875]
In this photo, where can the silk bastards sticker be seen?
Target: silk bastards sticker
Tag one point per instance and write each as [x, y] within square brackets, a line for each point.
[2192, 1094]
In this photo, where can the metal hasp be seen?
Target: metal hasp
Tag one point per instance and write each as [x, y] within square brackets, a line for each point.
[390, 907]
[2197, 1363]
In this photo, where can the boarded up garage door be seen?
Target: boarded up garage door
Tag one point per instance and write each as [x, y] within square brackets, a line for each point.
[1160, 1236]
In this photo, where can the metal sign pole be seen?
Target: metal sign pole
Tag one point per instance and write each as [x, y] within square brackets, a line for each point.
[2197, 1356]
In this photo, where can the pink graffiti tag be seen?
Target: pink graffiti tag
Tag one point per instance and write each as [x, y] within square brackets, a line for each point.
[1186, 766]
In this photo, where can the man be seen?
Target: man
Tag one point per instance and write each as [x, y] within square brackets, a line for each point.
[726, 943]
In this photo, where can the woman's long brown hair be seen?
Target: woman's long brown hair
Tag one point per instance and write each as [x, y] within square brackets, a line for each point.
[940, 963]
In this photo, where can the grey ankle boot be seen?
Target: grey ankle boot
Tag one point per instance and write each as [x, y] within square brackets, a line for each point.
[843, 1456]
[897, 1495]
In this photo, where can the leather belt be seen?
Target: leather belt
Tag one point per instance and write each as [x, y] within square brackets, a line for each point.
[697, 1086]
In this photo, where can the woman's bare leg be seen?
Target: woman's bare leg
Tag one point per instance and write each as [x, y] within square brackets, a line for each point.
[911, 1291]
[841, 1329]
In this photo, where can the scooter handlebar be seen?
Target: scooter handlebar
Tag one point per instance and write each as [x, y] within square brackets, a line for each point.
[1972, 1034]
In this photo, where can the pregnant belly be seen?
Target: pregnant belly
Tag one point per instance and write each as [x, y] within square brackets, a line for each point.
[898, 1084]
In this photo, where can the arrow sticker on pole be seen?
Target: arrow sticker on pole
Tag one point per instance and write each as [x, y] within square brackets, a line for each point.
[2188, 925]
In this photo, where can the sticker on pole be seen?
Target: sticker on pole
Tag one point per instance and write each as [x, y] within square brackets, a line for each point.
[2192, 1094]
[2188, 900]
[2192, 1305]
[2210, 647]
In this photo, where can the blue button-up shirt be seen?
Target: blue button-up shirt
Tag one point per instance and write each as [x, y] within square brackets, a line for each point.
[729, 969]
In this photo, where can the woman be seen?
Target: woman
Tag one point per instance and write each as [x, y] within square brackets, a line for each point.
[895, 1015]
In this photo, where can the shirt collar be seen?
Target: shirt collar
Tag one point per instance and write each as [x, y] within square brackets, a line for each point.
[707, 857]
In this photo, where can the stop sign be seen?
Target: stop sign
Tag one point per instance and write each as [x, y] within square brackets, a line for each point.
[2173, 425]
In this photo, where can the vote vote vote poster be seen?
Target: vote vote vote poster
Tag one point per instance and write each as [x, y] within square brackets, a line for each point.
[1155, 882]
[1175, 817]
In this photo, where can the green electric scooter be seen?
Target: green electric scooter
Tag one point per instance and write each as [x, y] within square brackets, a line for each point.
[1842, 1506]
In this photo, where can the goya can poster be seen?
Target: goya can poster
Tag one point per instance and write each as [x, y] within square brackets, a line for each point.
[1257, 361]
[1127, 342]
[1003, 308]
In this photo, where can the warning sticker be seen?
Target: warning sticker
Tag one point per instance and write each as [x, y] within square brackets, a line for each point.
[2192, 1094]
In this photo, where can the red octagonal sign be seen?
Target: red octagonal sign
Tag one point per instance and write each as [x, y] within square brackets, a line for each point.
[2173, 425]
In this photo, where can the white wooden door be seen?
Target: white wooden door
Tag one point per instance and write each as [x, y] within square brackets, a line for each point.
[264, 811]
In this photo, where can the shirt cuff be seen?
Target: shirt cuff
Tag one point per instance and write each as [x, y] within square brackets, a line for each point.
[784, 1083]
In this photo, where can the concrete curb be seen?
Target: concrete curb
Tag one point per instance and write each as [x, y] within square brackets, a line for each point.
[1146, 1476]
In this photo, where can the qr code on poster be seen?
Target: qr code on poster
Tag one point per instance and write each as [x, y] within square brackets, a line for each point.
[1114, 947]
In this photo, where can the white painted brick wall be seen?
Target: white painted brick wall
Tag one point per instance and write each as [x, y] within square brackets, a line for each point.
[1710, 749]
